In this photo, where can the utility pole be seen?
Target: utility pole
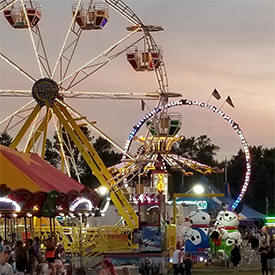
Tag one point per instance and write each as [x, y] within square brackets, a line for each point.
[266, 205]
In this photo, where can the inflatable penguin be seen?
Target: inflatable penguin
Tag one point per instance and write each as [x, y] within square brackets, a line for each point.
[226, 232]
[196, 237]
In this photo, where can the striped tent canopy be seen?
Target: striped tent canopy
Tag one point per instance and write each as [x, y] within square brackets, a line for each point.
[28, 171]
[38, 187]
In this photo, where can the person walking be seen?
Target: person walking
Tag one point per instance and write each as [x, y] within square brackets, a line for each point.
[50, 244]
[36, 246]
[271, 257]
[235, 256]
[21, 259]
[263, 252]
[187, 263]
[177, 260]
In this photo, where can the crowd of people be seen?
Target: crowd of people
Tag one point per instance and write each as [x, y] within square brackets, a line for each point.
[27, 258]
[182, 263]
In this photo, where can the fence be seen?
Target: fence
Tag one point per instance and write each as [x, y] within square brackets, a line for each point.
[205, 260]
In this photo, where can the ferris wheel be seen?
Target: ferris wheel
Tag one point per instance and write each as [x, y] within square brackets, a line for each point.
[52, 84]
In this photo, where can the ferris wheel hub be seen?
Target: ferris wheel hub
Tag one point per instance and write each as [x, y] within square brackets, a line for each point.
[45, 91]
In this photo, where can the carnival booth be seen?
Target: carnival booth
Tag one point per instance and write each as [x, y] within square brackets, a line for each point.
[36, 199]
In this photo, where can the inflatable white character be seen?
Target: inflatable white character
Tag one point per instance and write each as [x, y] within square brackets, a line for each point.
[226, 231]
[197, 235]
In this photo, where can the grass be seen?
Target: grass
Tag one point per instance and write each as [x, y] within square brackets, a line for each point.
[242, 271]
[229, 271]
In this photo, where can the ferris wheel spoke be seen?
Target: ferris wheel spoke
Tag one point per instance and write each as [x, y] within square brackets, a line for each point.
[5, 4]
[69, 149]
[120, 7]
[13, 64]
[93, 127]
[15, 93]
[32, 39]
[62, 152]
[68, 46]
[20, 110]
[95, 67]
[104, 53]
[41, 50]
[114, 96]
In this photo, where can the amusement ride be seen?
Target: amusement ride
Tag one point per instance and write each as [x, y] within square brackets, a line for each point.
[49, 108]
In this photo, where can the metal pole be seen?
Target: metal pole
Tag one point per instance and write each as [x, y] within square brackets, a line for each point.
[26, 229]
[80, 243]
[139, 182]
[51, 229]
[11, 229]
[54, 225]
[174, 210]
[5, 228]
[16, 224]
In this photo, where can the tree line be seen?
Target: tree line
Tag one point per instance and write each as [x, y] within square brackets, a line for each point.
[260, 193]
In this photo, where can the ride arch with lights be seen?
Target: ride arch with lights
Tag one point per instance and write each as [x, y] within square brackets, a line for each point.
[172, 159]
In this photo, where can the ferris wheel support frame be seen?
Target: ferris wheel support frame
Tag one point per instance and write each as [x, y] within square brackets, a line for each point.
[32, 39]
[61, 57]
[87, 64]
[98, 167]
[19, 69]
[8, 4]
[26, 126]
[98, 65]
[120, 7]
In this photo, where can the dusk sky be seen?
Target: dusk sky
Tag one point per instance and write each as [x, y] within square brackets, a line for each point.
[224, 44]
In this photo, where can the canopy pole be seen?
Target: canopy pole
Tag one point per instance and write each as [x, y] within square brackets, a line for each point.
[11, 230]
[26, 229]
[51, 228]
[5, 228]
[53, 225]
[16, 225]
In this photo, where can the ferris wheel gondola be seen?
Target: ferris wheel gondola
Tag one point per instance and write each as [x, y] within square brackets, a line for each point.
[20, 17]
[94, 17]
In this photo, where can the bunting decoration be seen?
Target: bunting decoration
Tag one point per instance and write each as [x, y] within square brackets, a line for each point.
[142, 105]
[229, 101]
[216, 94]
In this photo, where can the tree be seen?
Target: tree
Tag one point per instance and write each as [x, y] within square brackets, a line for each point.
[107, 155]
[5, 139]
[51, 154]
[262, 181]
[102, 147]
[200, 149]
